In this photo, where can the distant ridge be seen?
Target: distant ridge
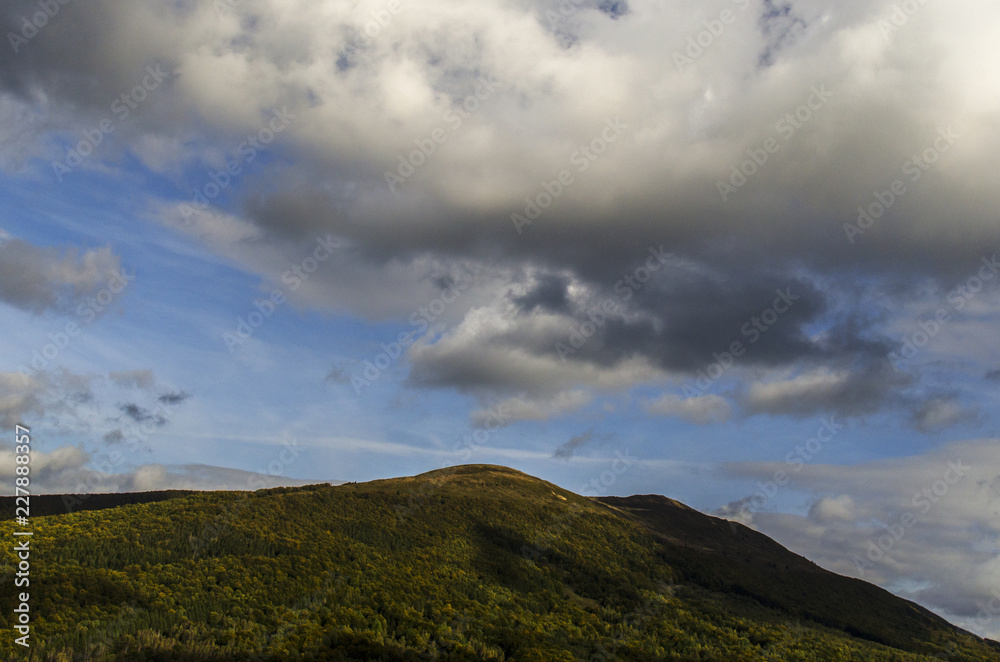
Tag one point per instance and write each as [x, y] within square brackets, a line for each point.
[61, 504]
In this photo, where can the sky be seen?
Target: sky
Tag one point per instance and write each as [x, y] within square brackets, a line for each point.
[741, 253]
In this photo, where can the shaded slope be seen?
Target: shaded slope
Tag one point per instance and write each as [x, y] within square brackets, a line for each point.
[729, 557]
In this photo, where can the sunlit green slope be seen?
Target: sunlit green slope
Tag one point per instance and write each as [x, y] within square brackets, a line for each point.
[472, 563]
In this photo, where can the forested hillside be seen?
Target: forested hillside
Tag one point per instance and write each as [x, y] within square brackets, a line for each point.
[472, 563]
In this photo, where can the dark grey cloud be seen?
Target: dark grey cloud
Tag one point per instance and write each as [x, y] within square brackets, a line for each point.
[852, 391]
[992, 375]
[614, 8]
[685, 320]
[141, 415]
[780, 26]
[568, 449]
[548, 293]
[114, 437]
[678, 323]
[173, 398]
[339, 374]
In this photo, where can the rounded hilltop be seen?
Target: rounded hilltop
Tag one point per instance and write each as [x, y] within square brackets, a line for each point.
[479, 479]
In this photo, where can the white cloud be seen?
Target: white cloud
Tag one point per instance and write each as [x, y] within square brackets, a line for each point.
[833, 508]
[516, 409]
[926, 526]
[19, 396]
[50, 471]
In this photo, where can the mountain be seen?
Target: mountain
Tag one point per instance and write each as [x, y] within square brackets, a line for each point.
[475, 562]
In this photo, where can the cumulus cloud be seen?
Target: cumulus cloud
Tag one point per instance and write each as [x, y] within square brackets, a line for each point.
[38, 279]
[839, 508]
[358, 109]
[59, 397]
[59, 467]
[20, 396]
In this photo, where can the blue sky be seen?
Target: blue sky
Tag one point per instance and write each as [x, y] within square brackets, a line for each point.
[674, 250]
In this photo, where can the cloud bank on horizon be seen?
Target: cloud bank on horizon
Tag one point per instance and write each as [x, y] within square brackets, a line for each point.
[714, 223]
